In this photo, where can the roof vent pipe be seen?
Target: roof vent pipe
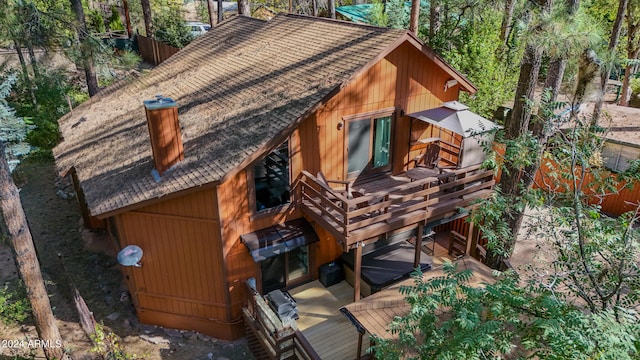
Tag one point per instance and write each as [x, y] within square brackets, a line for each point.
[164, 131]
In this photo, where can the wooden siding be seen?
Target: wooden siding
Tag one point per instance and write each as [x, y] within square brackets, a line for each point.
[179, 283]
[404, 79]
[237, 219]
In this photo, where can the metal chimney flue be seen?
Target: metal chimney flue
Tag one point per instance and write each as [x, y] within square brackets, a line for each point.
[164, 131]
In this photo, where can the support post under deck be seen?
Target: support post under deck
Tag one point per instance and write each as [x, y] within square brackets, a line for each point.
[418, 244]
[358, 272]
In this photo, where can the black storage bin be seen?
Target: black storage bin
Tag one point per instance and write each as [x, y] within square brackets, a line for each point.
[331, 274]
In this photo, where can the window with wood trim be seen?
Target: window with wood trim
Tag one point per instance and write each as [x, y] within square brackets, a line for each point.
[271, 179]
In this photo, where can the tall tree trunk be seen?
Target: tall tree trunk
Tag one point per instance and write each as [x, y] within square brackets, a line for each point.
[434, 19]
[15, 225]
[606, 72]
[314, 3]
[558, 64]
[505, 29]
[127, 18]
[25, 74]
[244, 8]
[625, 93]
[33, 60]
[514, 180]
[633, 48]
[87, 57]
[555, 73]
[518, 124]
[415, 16]
[146, 14]
[220, 11]
[212, 18]
[332, 9]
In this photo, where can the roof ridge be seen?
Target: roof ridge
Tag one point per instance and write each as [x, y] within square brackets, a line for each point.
[234, 17]
[341, 22]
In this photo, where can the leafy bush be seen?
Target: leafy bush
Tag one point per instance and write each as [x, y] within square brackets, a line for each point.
[635, 85]
[114, 21]
[169, 24]
[14, 305]
[96, 22]
[107, 345]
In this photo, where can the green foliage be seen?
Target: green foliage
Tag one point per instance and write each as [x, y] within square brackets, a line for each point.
[95, 22]
[14, 305]
[474, 55]
[50, 89]
[107, 345]
[450, 319]
[378, 15]
[469, 40]
[114, 21]
[169, 24]
[202, 10]
[635, 85]
[14, 128]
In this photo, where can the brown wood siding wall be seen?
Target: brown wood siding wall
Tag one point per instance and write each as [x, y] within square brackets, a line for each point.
[237, 219]
[180, 279]
[404, 79]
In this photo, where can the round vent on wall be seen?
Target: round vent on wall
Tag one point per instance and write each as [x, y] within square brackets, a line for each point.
[130, 256]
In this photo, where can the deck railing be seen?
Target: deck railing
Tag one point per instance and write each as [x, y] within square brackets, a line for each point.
[269, 337]
[353, 219]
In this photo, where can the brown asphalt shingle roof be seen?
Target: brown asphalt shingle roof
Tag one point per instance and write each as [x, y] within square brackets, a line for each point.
[237, 87]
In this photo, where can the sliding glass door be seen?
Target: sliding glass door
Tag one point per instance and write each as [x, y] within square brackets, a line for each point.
[368, 145]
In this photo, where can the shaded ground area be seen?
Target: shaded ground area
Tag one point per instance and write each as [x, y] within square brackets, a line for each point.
[90, 264]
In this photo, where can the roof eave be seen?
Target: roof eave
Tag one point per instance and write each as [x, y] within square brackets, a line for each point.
[465, 83]
[152, 201]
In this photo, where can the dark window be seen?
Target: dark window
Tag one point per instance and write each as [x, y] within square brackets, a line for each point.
[271, 176]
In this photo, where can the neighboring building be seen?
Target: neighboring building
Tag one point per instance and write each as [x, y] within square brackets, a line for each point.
[227, 193]
[622, 139]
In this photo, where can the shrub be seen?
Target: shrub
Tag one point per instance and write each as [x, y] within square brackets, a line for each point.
[14, 305]
[114, 21]
[96, 22]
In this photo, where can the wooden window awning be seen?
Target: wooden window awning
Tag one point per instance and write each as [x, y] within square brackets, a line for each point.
[279, 239]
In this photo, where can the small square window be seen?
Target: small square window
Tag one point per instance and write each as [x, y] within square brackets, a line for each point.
[271, 179]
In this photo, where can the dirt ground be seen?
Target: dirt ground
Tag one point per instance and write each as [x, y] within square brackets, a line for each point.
[70, 255]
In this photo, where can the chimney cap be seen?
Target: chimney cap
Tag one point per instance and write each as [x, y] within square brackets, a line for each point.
[160, 102]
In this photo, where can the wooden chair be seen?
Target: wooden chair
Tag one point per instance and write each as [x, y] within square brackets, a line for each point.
[343, 189]
[363, 204]
[431, 158]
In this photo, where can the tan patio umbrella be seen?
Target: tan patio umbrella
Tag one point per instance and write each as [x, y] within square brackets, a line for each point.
[457, 117]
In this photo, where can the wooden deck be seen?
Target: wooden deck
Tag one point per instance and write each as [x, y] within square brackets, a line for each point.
[390, 202]
[328, 331]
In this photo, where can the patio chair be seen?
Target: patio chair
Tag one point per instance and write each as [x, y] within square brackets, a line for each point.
[343, 189]
[431, 158]
[364, 204]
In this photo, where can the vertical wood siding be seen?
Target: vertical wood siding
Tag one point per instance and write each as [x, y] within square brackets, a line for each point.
[237, 219]
[404, 79]
[180, 274]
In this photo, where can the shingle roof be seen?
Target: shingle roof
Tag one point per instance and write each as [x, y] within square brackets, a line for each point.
[237, 87]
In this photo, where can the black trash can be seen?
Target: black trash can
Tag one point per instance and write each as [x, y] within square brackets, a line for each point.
[330, 274]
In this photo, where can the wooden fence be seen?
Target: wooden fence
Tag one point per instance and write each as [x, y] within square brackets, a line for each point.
[611, 203]
[153, 51]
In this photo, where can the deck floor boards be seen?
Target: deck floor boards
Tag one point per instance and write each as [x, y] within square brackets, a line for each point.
[327, 330]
